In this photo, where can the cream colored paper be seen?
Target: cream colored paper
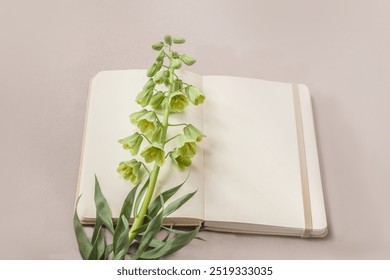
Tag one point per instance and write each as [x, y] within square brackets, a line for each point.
[111, 101]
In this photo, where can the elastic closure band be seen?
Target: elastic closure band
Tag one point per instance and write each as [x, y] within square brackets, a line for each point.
[302, 163]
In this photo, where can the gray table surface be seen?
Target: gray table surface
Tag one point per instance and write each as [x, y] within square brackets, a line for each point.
[340, 49]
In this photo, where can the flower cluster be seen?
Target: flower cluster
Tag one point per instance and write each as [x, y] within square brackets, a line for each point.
[155, 101]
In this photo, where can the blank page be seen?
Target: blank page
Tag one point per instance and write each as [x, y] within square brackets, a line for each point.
[252, 170]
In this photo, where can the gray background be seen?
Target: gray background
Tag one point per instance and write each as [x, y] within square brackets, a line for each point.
[340, 49]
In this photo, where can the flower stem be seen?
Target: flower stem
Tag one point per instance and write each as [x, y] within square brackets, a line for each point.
[154, 175]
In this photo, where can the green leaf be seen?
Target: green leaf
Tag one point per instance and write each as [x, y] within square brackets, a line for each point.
[102, 209]
[119, 229]
[139, 197]
[121, 241]
[152, 229]
[155, 206]
[154, 243]
[83, 242]
[141, 229]
[108, 251]
[98, 225]
[172, 207]
[127, 206]
[171, 245]
[98, 247]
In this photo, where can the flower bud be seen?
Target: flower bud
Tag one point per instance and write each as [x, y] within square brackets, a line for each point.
[168, 39]
[195, 95]
[152, 70]
[159, 64]
[160, 55]
[160, 77]
[143, 98]
[187, 59]
[175, 55]
[149, 85]
[178, 40]
[176, 63]
[158, 46]
[177, 84]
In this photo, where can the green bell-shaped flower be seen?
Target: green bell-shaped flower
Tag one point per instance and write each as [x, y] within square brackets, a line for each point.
[154, 152]
[157, 134]
[160, 77]
[181, 161]
[145, 120]
[186, 147]
[143, 98]
[195, 95]
[147, 126]
[130, 170]
[193, 133]
[156, 100]
[134, 117]
[132, 143]
[177, 85]
[178, 102]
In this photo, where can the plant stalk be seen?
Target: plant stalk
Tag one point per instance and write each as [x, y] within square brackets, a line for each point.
[154, 174]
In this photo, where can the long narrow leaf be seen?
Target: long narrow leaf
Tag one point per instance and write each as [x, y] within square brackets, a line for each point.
[108, 251]
[141, 229]
[119, 229]
[155, 206]
[152, 229]
[102, 209]
[128, 203]
[98, 247]
[178, 232]
[170, 246]
[172, 207]
[98, 225]
[83, 242]
[121, 241]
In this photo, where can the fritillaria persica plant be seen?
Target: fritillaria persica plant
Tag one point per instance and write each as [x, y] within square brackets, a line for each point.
[163, 94]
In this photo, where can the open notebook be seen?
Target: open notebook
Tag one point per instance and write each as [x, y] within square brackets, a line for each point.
[257, 170]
